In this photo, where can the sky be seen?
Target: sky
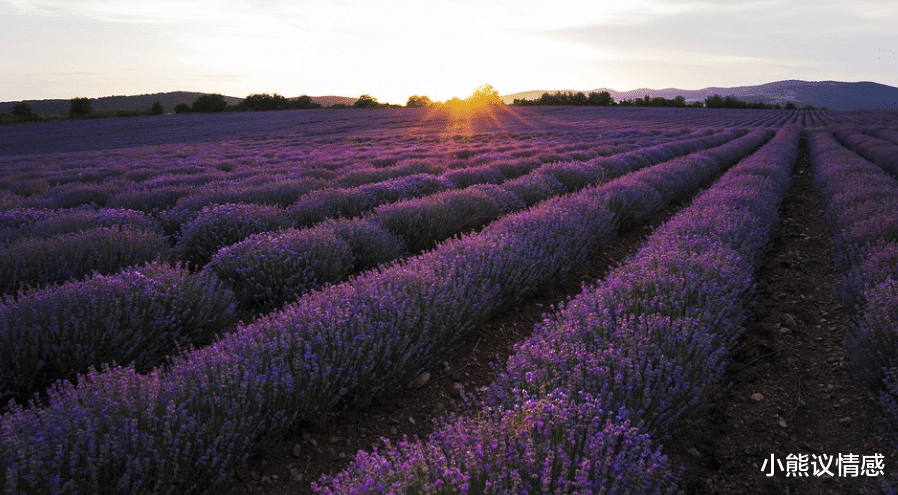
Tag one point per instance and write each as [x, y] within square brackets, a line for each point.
[394, 49]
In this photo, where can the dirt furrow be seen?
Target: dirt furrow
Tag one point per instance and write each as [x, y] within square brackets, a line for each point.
[789, 391]
[304, 455]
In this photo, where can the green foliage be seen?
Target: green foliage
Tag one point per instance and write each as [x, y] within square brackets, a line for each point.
[483, 96]
[717, 101]
[366, 101]
[790, 106]
[210, 103]
[602, 99]
[305, 102]
[156, 109]
[23, 112]
[575, 99]
[182, 108]
[262, 102]
[80, 107]
[416, 101]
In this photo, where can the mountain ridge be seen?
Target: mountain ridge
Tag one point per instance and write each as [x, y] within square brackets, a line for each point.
[145, 101]
[835, 95]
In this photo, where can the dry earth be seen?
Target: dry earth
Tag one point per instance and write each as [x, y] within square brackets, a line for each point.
[787, 390]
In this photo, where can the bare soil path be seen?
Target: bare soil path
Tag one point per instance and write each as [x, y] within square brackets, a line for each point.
[305, 454]
[789, 391]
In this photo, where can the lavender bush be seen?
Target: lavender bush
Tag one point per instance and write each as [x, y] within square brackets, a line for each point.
[268, 269]
[223, 225]
[185, 428]
[81, 219]
[865, 233]
[370, 244]
[554, 445]
[137, 316]
[38, 262]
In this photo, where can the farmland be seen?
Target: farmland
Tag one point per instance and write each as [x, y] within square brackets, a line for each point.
[242, 303]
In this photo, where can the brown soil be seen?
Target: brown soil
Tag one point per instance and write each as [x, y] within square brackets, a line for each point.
[787, 390]
[304, 456]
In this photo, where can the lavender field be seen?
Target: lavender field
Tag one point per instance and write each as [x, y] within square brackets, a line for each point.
[182, 293]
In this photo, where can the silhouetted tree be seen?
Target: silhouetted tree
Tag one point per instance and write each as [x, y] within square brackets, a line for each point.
[182, 108]
[210, 103]
[23, 111]
[262, 102]
[305, 102]
[365, 101]
[600, 99]
[416, 101]
[156, 109]
[80, 107]
[714, 101]
[483, 96]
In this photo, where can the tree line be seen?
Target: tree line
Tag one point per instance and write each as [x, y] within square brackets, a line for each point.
[485, 95]
[604, 98]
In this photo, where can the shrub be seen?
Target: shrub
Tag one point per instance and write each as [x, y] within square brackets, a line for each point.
[79, 220]
[37, 262]
[156, 108]
[210, 103]
[533, 188]
[80, 107]
[423, 222]
[223, 225]
[554, 445]
[137, 316]
[371, 245]
[269, 269]
[23, 112]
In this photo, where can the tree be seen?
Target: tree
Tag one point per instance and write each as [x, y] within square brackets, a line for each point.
[23, 111]
[210, 103]
[263, 101]
[305, 102]
[483, 96]
[365, 101]
[603, 99]
[80, 107]
[416, 101]
[156, 109]
[714, 101]
[182, 108]
[679, 101]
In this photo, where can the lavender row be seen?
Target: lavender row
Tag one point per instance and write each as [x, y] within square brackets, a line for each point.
[237, 171]
[139, 316]
[43, 223]
[632, 354]
[220, 226]
[861, 203]
[36, 262]
[883, 153]
[186, 428]
[303, 260]
[267, 270]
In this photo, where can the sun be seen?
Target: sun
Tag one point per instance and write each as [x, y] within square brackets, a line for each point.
[483, 96]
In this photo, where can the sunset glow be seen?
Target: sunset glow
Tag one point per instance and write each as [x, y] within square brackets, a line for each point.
[392, 50]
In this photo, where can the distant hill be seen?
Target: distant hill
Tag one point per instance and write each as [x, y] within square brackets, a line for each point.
[830, 94]
[142, 102]
[327, 101]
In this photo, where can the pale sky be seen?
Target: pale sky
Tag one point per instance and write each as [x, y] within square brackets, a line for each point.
[394, 49]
